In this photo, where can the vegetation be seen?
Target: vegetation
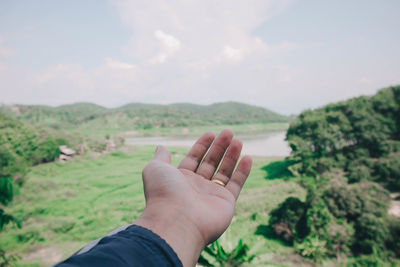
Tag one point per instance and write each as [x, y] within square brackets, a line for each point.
[287, 220]
[86, 117]
[76, 202]
[26, 140]
[348, 157]
[237, 257]
[22, 146]
[360, 136]
[326, 203]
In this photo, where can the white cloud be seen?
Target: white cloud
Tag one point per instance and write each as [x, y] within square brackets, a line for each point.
[115, 64]
[232, 54]
[184, 51]
[200, 30]
[169, 45]
[207, 48]
[191, 51]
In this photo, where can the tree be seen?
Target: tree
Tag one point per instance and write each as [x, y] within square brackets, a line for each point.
[343, 134]
[351, 150]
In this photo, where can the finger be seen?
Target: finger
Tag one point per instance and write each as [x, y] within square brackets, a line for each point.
[236, 183]
[229, 162]
[197, 152]
[162, 154]
[215, 154]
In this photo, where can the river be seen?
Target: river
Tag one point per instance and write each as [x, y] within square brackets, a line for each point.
[271, 144]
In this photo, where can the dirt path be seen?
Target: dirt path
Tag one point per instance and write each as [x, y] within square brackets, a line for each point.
[48, 255]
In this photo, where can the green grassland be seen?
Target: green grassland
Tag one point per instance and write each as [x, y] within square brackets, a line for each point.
[64, 206]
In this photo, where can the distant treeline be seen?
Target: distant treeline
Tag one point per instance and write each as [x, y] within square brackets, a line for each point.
[142, 116]
[348, 157]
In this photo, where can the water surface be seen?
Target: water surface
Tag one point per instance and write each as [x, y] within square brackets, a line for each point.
[267, 144]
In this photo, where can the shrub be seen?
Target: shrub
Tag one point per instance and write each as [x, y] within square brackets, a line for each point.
[318, 218]
[237, 257]
[388, 170]
[375, 198]
[351, 201]
[373, 260]
[288, 219]
[390, 146]
[11, 164]
[47, 150]
[358, 173]
[370, 233]
[340, 238]
[393, 239]
[342, 201]
[312, 247]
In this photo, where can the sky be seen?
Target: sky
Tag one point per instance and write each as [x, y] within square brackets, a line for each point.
[285, 55]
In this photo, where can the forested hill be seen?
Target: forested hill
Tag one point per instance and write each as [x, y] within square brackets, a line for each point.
[139, 116]
[348, 157]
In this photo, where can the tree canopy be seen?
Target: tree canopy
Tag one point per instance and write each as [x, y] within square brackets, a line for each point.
[360, 136]
[348, 157]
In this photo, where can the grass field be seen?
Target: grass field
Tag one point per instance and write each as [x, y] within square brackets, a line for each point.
[64, 206]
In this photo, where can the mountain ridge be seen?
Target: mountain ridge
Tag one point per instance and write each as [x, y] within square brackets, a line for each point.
[142, 115]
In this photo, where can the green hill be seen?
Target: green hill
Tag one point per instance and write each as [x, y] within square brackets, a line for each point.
[136, 116]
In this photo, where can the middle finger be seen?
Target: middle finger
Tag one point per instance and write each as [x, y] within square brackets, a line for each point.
[215, 154]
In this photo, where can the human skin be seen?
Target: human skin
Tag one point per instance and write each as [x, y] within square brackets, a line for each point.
[183, 205]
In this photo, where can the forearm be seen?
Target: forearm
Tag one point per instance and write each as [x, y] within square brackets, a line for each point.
[177, 230]
[133, 246]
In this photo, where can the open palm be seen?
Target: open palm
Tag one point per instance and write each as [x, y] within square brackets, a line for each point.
[188, 193]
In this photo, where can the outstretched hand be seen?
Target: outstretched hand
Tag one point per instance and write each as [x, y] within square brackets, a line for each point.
[183, 205]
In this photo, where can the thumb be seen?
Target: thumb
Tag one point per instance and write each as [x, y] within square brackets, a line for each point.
[162, 154]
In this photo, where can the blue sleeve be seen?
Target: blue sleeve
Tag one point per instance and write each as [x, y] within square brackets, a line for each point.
[133, 246]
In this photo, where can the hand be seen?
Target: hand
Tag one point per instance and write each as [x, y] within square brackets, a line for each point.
[183, 205]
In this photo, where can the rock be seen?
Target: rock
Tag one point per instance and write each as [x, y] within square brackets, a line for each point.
[67, 151]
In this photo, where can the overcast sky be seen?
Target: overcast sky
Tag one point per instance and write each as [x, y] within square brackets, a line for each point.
[280, 54]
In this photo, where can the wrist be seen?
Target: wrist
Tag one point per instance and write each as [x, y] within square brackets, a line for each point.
[176, 229]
